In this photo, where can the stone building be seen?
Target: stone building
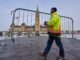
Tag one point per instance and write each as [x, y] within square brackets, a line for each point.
[24, 28]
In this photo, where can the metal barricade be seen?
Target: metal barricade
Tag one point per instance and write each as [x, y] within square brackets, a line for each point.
[27, 17]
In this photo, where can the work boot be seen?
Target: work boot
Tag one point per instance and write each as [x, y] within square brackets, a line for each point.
[60, 58]
[43, 56]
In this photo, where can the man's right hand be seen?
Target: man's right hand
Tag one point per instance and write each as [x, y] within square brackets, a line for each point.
[45, 23]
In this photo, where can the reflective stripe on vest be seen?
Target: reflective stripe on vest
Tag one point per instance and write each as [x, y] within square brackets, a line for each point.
[54, 31]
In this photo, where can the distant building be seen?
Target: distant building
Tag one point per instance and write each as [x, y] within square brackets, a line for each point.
[24, 28]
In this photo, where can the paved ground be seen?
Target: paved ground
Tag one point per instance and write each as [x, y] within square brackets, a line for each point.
[25, 48]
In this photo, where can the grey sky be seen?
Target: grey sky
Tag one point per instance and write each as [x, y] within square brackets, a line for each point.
[65, 7]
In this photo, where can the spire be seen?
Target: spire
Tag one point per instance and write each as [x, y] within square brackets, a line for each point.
[37, 9]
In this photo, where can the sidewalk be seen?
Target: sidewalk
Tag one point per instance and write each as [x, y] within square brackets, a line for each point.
[25, 48]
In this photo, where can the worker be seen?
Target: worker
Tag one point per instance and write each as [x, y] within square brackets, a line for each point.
[54, 32]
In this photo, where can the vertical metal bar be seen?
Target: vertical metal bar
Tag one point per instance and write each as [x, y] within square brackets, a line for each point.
[27, 17]
[69, 27]
[72, 29]
[45, 17]
[31, 18]
[19, 17]
[42, 19]
[23, 15]
[64, 28]
[13, 17]
[13, 26]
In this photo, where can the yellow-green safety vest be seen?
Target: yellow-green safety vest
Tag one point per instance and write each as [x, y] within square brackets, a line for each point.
[54, 23]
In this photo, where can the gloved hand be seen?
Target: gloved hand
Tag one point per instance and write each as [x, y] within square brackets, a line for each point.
[45, 23]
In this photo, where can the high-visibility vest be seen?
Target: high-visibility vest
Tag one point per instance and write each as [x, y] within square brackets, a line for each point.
[54, 24]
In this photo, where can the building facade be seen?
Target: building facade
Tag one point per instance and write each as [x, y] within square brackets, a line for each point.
[24, 28]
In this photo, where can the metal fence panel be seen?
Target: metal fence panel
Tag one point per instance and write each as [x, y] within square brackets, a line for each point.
[28, 17]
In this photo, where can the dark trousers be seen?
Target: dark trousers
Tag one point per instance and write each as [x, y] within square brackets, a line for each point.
[58, 43]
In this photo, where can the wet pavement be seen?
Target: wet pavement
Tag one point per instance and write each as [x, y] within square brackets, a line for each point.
[25, 48]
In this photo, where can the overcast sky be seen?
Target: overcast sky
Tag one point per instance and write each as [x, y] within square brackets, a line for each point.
[68, 8]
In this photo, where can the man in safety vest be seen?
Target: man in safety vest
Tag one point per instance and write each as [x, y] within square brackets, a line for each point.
[54, 31]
